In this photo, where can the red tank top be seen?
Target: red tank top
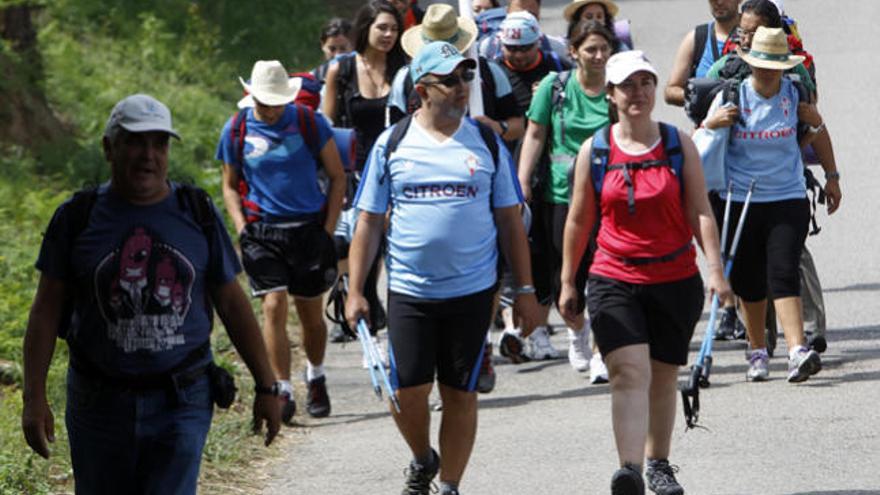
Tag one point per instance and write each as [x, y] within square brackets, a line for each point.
[657, 228]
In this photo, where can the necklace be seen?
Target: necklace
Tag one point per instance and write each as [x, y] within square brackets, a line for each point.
[378, 88]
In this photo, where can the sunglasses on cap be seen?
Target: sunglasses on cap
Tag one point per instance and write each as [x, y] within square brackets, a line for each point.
[452, 80]
[519, 48]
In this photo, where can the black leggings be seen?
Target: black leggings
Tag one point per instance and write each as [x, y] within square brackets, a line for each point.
[769, 248]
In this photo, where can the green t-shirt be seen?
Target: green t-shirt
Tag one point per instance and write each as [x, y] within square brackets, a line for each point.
[583, 116]
[799, 69]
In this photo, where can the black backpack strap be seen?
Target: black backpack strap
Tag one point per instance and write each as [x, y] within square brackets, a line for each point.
[488, 136]
[199, 203]
[701, 36]
[344, 90]
[487, 80]
[557, 100]
[79, 209]
[713, 40]
[397, 133]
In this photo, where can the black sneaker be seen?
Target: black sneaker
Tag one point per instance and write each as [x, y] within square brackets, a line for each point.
[419, 478]
[818, 343]
[288, 409]
[727, 327]
[661, 478]
[627, 481]
[513, 348]
[338, 335]
[486, 380]
[317, 400]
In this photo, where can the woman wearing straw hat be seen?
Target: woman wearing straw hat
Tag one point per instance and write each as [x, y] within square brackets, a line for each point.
[645, 292]
[765, 146]
[601, 11]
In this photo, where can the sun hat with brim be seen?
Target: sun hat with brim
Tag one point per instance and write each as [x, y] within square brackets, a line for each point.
[770, 50]
[439, 24]
[519, 29]
[439, 58]
[269, 84]
[141, 113]
[624, 64]
[573, 7]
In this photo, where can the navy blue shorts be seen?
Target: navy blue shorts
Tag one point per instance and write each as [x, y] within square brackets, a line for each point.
[442, 337]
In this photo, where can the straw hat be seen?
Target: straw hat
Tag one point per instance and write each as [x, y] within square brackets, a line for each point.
[269, 84]
[439, 24]
[770, 50]
[573, 7]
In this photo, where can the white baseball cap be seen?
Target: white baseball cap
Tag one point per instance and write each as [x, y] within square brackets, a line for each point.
[624, 64]
[140, 113]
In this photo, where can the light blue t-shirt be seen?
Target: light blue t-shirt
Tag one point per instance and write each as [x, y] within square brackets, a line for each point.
[764, 145]
[398, 96]
[442, 237]
[279, 168]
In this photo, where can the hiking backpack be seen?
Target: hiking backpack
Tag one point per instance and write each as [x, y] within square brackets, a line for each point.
[489, 22]
[79, 210]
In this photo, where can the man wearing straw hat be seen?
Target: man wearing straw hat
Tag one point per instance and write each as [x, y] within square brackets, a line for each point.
[440, 177]
[129, 272]
[271, 154]
[441, 24]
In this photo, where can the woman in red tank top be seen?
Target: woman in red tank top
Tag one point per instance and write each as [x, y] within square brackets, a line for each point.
[645, 294]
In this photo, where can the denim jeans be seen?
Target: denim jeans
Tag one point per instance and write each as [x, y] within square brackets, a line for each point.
[136, 442]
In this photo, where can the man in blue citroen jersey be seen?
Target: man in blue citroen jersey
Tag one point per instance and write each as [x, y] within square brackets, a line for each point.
[451, 206]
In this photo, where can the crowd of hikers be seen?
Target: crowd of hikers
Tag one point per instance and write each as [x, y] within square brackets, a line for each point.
[488, 171]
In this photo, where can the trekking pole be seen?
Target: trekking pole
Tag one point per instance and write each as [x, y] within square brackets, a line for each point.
[364, 337]
[700, 371]
[376, 364]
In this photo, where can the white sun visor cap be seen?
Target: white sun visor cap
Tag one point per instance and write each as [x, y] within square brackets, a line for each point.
[624, 64]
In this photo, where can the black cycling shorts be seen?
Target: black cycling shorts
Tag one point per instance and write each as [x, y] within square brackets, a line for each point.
[770, 247]
[442, 336]
[661, 315]
[300, 260]
[545, 246]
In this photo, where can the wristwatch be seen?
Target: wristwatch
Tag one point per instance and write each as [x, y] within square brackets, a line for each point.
[524, 289]
[504, 126]
[273, 390]
[832, 175]
[817, 129]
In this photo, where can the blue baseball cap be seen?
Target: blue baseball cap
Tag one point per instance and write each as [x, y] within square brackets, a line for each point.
[520, 29]
[438, 57]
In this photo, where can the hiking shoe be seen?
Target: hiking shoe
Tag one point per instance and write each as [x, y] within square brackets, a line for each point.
[598, 371]
[804, 363]
[661, 478]
[540, 347]
[419, 478]
[338, 335]
[317, 400]
[578, 350]
[727, 326]
[449, 491]
[627, 481]
[288, 409]
[486, 380]
[511, 346]
[759, 366]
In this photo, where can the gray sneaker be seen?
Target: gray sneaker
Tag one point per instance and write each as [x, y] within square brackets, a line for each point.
[803, 364]
[420, 478]
[759, 366]
[661, 478]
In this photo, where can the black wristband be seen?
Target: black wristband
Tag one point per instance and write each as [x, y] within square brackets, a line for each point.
[273, 390]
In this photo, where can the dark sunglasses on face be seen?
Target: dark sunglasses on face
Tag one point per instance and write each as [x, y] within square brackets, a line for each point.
[453, 80]
[518, 48]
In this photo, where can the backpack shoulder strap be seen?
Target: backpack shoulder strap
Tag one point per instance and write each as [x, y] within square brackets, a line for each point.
[701, 35]
[599, 152]
[713, 42]
[199, 203]
[672, 146]
[237, 133]
[557, 64]
[557, 99]
[397, 133]
[79, 210]
[344, 91]
[308, 127]
[488, 136]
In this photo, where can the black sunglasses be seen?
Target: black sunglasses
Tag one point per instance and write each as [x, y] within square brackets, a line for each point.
[453, 80]
[519, 48]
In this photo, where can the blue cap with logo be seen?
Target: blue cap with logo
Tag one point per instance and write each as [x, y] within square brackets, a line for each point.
[438, 57]
[520, 29]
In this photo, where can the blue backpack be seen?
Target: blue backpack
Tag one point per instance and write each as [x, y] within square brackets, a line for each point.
[489, 22]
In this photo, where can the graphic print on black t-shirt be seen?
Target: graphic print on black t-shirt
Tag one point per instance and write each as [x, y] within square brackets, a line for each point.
[144, 291]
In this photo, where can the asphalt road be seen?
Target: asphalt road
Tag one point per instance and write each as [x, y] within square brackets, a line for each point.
[546, 430]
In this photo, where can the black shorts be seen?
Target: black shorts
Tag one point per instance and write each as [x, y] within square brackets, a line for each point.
[770, 246]
[443, 335]
[301, 260]
[660, 315]
[545, 246]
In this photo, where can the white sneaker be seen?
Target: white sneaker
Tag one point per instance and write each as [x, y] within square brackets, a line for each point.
[578, 350]
[540, 347]
[598, 371]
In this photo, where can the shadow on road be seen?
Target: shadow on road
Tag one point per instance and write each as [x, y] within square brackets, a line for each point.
[854, 288]
[520, 400]
[841, 492]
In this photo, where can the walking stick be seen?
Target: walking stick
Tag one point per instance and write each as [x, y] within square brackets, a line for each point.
[377, 367]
